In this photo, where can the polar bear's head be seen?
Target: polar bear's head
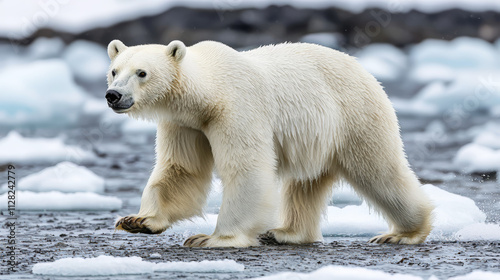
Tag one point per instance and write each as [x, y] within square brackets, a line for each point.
[141, 77]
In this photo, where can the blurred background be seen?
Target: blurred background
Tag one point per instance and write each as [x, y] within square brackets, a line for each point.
[439, 62]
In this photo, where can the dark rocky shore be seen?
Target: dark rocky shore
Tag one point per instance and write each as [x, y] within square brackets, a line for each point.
[275, 24]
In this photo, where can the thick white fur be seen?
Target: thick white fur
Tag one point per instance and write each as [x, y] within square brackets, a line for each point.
[297, 115]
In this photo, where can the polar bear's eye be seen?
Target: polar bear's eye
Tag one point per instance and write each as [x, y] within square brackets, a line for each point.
[113, 73]
[141, 74]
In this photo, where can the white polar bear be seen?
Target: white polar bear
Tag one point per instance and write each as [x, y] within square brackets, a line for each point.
[299, 116]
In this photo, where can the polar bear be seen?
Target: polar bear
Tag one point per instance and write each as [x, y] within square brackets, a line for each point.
[280, 125]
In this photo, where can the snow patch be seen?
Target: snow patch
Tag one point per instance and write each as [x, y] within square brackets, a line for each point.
[479, 231]
[359, 273]
[344, 194]
[483, 153]
[331, 40]
[64, 177]
[459, 78]
[203, 266]
[341, 272]
[95, 106]
[100, 266]
[214, 200]
[478, 275]
[43, 48]
[16, 149]
[477, 158]
[46, 94]
[431, 72]
[467, 93]
[384, 61]
[490, 139]
[460, 53]
[205, 225]
[108, 265]
[413, 107]
[58, 201]
[453, 212]
[352, 220]
[88, 61]
[155, 256]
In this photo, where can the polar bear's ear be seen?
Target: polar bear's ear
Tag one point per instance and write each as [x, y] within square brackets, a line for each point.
[176, 49]
[115, 47]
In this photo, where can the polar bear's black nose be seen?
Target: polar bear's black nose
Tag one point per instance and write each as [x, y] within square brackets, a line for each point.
[112, 96]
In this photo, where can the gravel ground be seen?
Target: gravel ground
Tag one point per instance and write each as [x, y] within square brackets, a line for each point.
[46, 237]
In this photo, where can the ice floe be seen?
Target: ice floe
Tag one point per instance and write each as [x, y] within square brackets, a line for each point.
[17, 149]
[360, 273]
[460, 53]
[87, 60]
[477, 158]
[483, 153]
[43, 48]
[480, 231]
[64, 177]
[464, 95]
[108, 265]
[46, 94]
[384, 61]
[58, 201]
[478, 275]
[340, 272]
[327, 39]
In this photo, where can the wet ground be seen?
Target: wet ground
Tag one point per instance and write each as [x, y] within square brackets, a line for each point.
[126, 161]
[46, 237]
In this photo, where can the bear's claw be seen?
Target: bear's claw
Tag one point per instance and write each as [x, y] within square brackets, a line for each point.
[268, 238]
[199, 240]
[384, 239]
[398, 238]
[134, 224]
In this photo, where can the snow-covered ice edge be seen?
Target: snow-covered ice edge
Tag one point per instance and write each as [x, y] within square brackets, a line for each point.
[108, 265]
[58, 201]
[359, 273]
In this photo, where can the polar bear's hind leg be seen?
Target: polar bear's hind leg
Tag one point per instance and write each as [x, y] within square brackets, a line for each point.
[303, 202]
[394, 191]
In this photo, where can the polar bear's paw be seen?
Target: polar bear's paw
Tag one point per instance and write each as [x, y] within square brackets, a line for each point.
[199, 240]
[203, 240]
[135, 224]
[399, 238]
[268, 239]
[284, 236]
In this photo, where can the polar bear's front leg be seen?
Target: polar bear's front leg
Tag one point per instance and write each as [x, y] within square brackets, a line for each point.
[250, 195]
[178, 187]
[248, 209]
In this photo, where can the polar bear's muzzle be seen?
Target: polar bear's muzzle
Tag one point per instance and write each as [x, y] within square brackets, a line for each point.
[117, 102]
